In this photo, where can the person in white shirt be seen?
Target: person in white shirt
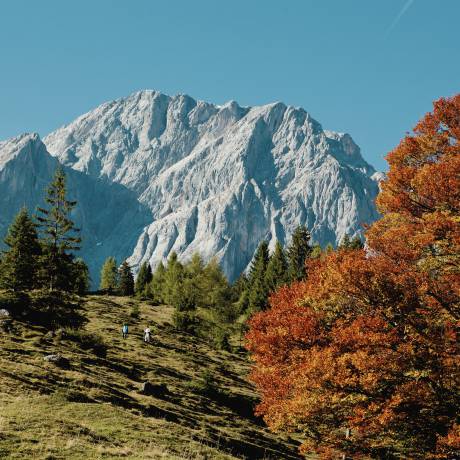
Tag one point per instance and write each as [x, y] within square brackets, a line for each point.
[147, 335]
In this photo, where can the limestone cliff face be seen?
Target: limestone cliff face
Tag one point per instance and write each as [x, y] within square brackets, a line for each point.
[211, 179]
[109, 215]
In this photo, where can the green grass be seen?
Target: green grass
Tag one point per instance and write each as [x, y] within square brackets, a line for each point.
[94, 409]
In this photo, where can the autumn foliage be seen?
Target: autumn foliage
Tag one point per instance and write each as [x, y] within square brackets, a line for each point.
[361, 358]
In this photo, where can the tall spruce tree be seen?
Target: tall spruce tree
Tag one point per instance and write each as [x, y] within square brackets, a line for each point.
[297, 253]
[217, 294]
[18, 268]
[240, 293]
[59, 238]
[144, 277]
[276, 274]
[258, 289]
[155, 289]
[196, 279]
[126, 283]
[109, 276]
[174, 277]
[239, 286]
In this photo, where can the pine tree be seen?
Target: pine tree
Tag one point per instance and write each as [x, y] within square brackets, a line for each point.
[18, 268]
[58, 231]
[276, 274]
[239, 286]
[351, 243]
[258, 290]
[217, 292]
[316, 251]
[345, 243]
[81, 278]
[174, 276]
[155, 289]
[109, 276]
[195, 267]
[144, 277]
[297, 253]
[195, 275]
[126, 283]
[356, 243]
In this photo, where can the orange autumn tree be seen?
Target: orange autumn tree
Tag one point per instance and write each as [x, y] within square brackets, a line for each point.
[361, 358]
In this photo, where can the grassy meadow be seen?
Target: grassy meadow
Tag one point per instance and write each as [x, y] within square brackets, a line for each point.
[200, 407]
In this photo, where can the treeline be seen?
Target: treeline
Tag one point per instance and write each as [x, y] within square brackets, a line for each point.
[40, 248]
[205, 302]
[285, 265]
[188, 287]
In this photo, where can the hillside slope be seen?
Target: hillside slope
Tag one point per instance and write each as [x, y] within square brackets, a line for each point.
[202, 408]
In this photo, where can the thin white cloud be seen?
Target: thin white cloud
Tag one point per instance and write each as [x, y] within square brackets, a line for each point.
[406, 6]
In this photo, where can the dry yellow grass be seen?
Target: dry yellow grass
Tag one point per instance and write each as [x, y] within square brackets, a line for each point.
[94, 409]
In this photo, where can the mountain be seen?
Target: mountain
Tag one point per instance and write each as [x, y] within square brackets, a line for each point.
[105, 209]
[208, 178]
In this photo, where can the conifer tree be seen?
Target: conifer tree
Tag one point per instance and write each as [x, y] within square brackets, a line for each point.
[126, 279]
[298, 252]
[81, 278]
[356, 243]
[239, 286]
[18, 268]
[109, 276]
[174, 276]
[240, 293]
[144, 277]
[351, 243]
[316, 251]
[195, 278]
[58, 232]
[216, 292]
[276, 274]
[155, 289]
[258, 290]
[345, 243]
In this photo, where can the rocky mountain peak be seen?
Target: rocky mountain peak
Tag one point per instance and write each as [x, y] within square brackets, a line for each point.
[214, 179]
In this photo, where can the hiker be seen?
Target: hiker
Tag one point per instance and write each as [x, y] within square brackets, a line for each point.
[147, 335]
[124, 330]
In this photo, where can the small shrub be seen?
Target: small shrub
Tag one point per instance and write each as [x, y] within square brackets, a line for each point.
[14, 302]
[185, 321]
[87, 340]
[204, 384]
[135, 312]
[222, 339]
[71, 395]
[38, 341]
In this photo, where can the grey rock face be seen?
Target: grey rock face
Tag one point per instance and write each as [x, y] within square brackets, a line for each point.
[198, 177]
[109, 215]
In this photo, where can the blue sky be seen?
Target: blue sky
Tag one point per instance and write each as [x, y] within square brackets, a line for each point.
[368, 67]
